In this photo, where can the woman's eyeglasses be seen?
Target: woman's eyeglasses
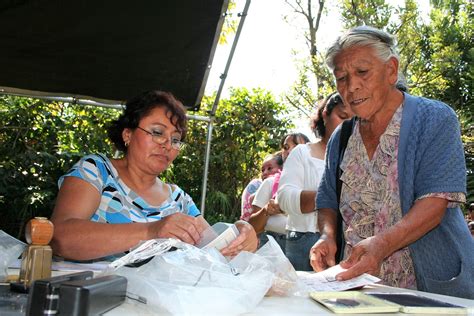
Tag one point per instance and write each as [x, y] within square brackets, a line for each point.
[161, 139]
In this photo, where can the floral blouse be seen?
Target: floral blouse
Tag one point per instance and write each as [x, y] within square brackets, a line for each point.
[370, 202]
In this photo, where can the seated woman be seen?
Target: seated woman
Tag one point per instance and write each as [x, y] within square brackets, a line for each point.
[106, 206]
[271, 164]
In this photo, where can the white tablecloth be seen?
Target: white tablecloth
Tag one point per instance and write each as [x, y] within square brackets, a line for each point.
[282, 305]
[291, 305]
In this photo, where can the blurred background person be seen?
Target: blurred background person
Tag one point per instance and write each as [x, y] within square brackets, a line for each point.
[267, 219]
[271, 164]
[290, 141]
[300, 179]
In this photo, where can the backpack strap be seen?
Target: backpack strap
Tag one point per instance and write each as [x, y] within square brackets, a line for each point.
[346, 131]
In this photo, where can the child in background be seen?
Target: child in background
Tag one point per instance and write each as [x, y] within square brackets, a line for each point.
[271, 164]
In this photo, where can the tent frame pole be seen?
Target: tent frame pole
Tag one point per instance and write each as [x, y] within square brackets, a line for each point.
[212, 113]
[210, 119]
[73, 100]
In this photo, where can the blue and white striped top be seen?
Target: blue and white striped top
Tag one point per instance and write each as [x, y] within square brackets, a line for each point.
[119, 204]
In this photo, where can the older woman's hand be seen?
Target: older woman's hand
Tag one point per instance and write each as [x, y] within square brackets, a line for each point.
[323, 253]
[366, 257]
[247, 240]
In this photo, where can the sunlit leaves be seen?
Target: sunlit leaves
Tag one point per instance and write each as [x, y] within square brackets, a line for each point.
[248, 125]
[40, 141]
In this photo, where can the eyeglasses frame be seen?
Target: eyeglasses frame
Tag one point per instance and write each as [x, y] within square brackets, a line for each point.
[165, 139]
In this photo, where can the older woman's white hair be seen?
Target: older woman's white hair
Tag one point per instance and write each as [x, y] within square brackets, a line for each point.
[384, 45]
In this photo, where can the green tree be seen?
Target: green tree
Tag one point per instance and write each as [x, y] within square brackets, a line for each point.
[436, 56]
[248, 126]
[303, 94]
[375, 13]
[40, 141]
[438, 63]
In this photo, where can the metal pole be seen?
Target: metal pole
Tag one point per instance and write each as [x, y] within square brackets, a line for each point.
[71, 99]
[216, 102]
[74, 100]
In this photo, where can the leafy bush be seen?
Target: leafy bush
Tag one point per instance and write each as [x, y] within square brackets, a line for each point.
[42, 140]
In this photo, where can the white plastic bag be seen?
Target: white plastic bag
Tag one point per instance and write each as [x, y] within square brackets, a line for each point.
[194, 281]
[285, 280]
[10, 249]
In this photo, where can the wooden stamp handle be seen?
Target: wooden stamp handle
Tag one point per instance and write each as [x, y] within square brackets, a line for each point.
[39, 231]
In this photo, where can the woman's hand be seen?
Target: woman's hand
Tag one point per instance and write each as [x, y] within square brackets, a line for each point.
[366, 257]
[247, 240]
[180, 226]
[272, 208]
[323, 253]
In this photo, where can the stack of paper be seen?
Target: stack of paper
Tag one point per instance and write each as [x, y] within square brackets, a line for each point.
[326, 280]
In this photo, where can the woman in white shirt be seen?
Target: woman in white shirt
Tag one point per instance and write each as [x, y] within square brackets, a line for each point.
[300, 179]
[267, 219]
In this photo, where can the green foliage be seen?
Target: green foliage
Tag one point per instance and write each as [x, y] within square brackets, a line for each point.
[314, 79]
[230, 23]
[40, 141]
[436, 56]
[441, 56]
[438, 63]
[466, 118]
[248, 126]
[375, 13]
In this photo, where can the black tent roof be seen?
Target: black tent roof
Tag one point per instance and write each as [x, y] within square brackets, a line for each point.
[109, 50]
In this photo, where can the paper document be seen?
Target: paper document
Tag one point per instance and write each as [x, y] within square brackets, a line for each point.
[219, 236]
[326, 280]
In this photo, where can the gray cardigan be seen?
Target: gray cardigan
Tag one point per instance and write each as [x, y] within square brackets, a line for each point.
[430, 159]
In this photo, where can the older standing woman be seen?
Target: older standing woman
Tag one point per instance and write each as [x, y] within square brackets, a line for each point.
[106, 206]
[403, 178]
[300, 178]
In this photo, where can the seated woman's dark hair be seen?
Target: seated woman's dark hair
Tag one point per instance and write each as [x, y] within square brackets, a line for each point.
[328, 104]
[140, 106]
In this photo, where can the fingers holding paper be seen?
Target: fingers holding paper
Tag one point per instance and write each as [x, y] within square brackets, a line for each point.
[246, 240]
[322, 254]
[273, 208]
[180, 226]
[366, 257]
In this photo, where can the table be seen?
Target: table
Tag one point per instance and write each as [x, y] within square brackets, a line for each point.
[283, 305]
[291, 305]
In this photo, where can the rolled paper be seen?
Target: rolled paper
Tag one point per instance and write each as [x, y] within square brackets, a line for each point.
[39, 231]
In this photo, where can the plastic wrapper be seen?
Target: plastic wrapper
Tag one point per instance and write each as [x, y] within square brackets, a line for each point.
[191, 281]
[10, 250]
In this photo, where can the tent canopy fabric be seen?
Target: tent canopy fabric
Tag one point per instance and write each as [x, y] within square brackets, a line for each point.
[109, 50]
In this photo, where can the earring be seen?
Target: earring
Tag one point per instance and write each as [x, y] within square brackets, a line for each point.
[126, 143]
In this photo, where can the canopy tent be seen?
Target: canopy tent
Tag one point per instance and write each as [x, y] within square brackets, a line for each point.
[104, 52]
[108, 50]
